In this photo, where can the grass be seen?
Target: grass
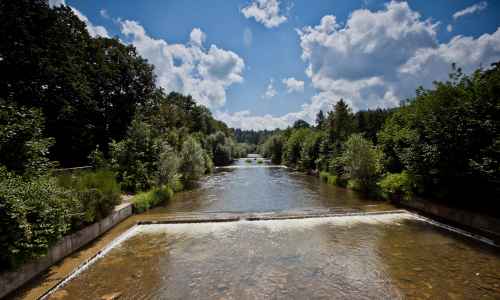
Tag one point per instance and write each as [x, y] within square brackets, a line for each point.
[146, 200]
[332, 179]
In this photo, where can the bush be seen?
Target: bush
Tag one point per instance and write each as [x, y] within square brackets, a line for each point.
[396, 186]
[168, 166]
[98, 193]
[23, 147]
[361, 162]
[260, 161]
[248, 160]
[332, 179]
[146, 200]
[192, 163]
[34, 215]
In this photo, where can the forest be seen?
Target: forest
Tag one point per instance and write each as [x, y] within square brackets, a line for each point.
[70, 100]
[442, 145]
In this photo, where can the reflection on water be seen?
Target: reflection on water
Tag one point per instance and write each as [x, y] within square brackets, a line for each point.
[250, 187]
[351, 257]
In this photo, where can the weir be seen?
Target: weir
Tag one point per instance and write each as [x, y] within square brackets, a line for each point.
[219, 240]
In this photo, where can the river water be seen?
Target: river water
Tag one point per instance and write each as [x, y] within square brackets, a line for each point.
[374, 256]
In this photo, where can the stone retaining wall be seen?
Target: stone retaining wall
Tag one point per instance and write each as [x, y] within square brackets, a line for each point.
[485, 225]
[10, 281]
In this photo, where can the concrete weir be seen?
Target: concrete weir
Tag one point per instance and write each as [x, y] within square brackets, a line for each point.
[338, 216]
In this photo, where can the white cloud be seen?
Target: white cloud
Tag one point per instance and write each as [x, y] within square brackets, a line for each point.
[449, 28]
[375, 60]
[270, 91]
[104, 14]
[191, 69]
[293, 85]
[266, 12]
[470, 10]
[197, 37]
[55, 3]
[94, 30]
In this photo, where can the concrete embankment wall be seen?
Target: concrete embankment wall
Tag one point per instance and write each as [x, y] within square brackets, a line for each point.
[10, 281]
[484, 225]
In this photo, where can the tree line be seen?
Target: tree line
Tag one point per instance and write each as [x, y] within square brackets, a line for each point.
[68, 99]
[443, 144]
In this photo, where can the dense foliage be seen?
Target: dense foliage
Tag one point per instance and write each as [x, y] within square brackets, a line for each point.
[69, 99]
[444, 144]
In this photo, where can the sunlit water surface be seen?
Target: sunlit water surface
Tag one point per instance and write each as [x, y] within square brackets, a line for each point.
[387, 256]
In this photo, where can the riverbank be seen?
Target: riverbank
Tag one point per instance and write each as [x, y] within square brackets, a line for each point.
[12, 280]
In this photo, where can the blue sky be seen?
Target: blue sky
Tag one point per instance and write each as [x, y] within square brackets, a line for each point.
[266, 63]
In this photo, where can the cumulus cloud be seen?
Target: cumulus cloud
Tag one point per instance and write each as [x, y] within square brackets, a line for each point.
[188, 68]
[266, 12]
[470, 10]
[55, 3]
[293, 85]
[377, 59]
[270, 91]
[94, 30]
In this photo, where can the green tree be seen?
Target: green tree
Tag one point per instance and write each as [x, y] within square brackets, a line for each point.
[273, 148]
[293, 146]
[192, 161]
[23, 146]
[361, 161]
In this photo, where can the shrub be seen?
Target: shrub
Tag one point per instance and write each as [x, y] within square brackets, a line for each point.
[23, 147]
[361, 162]
[192, 162]
[396, 186]
[260, 161]
[248, 161]
[34, 215]
[332, 179]
[146, 200]
[168, 166]
[135, 159]
[98, 192]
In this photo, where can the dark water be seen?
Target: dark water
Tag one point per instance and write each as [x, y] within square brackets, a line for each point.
[382, 256]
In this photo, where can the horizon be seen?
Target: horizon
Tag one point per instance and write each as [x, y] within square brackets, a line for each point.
[264, 64]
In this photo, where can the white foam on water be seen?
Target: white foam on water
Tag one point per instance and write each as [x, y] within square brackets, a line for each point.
[82, 267]
[222, 228]
[252, 167]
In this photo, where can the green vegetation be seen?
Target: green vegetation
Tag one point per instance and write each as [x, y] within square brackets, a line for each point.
[34, 214]
[97, 193]
[145, 200]
[248, 160]
[67, 99]
[444, 144]
[260, 161]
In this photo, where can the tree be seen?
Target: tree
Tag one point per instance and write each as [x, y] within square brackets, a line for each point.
[168, 165]
[310, 150]
[192, 161]
[361, 161]
[320, 119]
[293, 146]
[300, 124]
[273, 148]
[23, 147]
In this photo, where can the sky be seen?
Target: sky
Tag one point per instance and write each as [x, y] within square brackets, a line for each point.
[263, 64]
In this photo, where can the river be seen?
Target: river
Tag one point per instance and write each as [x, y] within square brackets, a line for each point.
[374, 256]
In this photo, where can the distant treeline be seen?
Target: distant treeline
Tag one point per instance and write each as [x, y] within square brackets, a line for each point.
[443, 144]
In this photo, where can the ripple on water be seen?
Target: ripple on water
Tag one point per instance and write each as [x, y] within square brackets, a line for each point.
[349, 257]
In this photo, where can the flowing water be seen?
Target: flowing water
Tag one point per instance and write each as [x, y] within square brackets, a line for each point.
[374, 256]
